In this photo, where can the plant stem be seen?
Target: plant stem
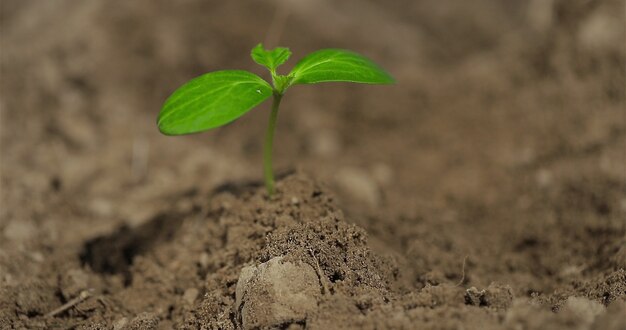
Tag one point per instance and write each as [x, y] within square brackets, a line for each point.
[268, 146]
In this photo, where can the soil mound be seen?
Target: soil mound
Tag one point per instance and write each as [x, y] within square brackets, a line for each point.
[238, 259]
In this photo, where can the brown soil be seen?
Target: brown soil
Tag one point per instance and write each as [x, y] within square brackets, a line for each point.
[485, 190]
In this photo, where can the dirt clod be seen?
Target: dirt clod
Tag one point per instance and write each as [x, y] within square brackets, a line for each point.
[495, 295]
[32, 299]
[275, 293]
[73, 282]
[143, 321]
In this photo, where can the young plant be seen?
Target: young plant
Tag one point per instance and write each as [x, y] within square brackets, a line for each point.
[217, 98]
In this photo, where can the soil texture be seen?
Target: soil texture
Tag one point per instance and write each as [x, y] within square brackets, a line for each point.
[485, 190]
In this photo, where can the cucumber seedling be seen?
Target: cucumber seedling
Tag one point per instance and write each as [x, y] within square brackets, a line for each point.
[217, 98]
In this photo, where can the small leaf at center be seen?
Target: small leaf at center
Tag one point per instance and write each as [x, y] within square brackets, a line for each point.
[270, 59]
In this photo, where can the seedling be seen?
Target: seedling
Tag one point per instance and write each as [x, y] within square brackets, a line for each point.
[217, 98]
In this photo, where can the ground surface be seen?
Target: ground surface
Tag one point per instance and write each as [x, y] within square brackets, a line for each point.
[486, 190]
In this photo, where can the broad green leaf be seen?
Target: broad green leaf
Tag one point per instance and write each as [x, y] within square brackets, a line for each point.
[338, 65]
[211, 100]
[270, 59]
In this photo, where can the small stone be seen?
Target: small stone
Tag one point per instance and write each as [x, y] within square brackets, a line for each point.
[473, 296]
[613, 318]
[601, 32]
[242, 283]
[37, 256]
[544, 178]
[495, 296]
[73, 282]
[101, 207]
[77, 129]
[584, 309]
[523, 314]
[19, 231]
[34, 297]
[359, 184]
[325, 144]
[204, 260]
[185, 205]
[382, 173]
[120, 324]
[276, 292]
[540, 14]
[498, 296]
[571, 270]
[226, 205]
[190, 295]
[143, 321]
[8, 278]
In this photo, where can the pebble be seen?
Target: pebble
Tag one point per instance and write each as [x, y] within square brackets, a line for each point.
[120, 324]
[36, 256]
[359, 184]
[544, 178]
[276, 292]
[144, 321]
[20, 231]
[601, 32]
[325, 144]
[73, 282]
[496, 296]
[101, 207]
[586, 310]
[190, 295]
[540, 14]
[382, 173]
[204, 260]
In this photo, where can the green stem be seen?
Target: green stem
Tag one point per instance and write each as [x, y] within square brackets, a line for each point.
[268, 146]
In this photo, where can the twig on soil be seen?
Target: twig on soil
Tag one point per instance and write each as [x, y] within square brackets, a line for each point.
[462, 272]
[320, 274]
[85, 294]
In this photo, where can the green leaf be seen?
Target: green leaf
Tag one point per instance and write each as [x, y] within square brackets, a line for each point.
[270, 59]
[211, 100]
[338, 65]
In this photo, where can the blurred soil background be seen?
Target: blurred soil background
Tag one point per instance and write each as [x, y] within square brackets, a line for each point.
[485, 190]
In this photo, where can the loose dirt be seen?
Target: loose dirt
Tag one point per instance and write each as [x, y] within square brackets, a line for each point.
[485, 190]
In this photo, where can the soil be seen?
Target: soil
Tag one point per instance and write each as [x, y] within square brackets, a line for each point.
[485, 190]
